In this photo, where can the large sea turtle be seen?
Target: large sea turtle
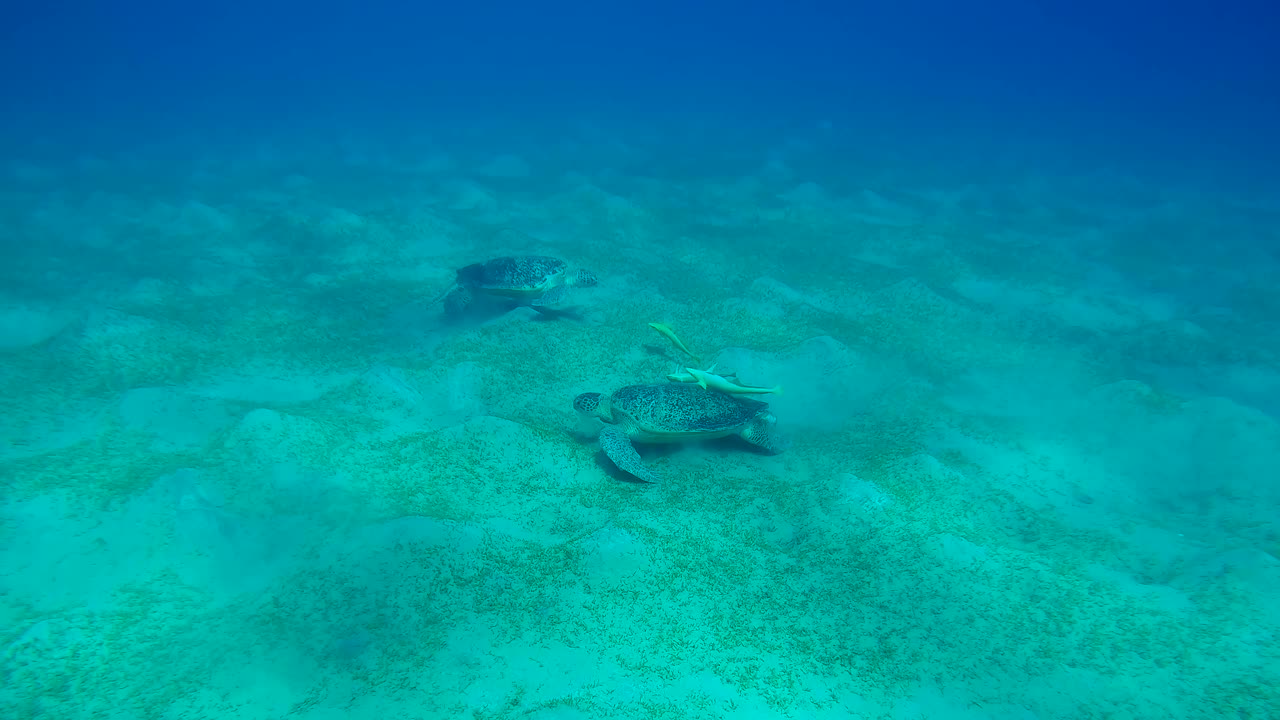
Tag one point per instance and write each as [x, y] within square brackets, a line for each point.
[533, 280]
[674, 412]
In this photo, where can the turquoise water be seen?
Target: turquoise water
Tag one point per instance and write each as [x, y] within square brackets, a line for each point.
[1015, 271]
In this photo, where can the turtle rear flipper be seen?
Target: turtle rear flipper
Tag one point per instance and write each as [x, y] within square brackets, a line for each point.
[618, 447]
[762, 432]
[551, 297]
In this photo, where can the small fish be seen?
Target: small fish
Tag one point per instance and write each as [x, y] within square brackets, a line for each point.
[670, 334]
[682, 377]
[685, 377]
[715, 382]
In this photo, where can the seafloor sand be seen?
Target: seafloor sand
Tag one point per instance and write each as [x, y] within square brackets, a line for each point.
[248, 472]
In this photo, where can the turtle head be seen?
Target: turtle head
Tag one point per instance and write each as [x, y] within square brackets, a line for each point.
[587, 404]
[472, 274]
[584, 278]
[593, 408]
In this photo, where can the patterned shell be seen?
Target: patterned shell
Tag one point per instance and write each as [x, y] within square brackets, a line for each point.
[683, 408]
[527, 272]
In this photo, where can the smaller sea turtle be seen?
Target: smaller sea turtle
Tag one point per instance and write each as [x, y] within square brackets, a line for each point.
[532, 280]
[674, 412]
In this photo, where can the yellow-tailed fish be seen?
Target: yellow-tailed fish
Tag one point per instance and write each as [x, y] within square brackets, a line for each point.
[715, 382]
[670, 334]
[684, 377]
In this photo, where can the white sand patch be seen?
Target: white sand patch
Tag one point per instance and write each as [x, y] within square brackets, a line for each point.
[824, 384]
[270, 384]
[24, 325]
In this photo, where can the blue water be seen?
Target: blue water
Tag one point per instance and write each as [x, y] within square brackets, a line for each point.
[1013, 271]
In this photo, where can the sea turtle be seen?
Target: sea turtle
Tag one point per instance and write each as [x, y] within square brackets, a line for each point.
[533, 280]
[674, 412]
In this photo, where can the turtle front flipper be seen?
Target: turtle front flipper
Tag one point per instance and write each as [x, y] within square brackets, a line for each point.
[551, 297]
[763, 433]
[618, 447]
[457, 301]
[443, 293]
